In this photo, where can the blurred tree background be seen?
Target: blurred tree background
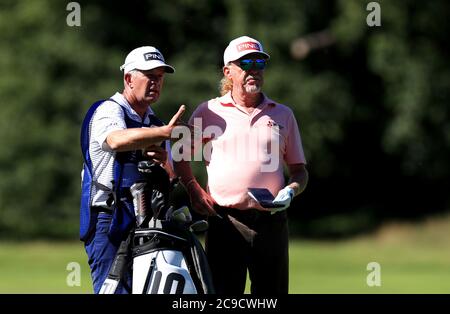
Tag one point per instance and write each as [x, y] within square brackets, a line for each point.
[372, 103]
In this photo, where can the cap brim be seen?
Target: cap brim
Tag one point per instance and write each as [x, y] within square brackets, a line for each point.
[265, 55]
[167, 68]
[150, 66]
[246, 53]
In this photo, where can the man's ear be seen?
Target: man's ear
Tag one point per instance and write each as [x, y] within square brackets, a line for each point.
[128, 80]
[227, 72]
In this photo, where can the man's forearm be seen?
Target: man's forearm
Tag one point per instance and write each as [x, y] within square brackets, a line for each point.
[183, 170]
[136, 138]
[298, 181]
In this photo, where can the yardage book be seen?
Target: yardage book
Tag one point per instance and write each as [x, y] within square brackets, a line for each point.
[263, 197]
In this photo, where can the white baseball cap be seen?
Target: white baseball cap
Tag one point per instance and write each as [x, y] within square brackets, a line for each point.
[145, 58]
[242, 46]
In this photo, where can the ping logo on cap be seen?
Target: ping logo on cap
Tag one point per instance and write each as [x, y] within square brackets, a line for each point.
[249, 45]
[153, 56]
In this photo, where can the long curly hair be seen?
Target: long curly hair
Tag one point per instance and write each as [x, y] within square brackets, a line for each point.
[225, 85]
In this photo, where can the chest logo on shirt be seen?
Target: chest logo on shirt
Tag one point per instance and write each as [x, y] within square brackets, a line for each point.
[272, 123]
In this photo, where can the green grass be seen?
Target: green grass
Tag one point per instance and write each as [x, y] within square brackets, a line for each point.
[40, 267]
[413, 259]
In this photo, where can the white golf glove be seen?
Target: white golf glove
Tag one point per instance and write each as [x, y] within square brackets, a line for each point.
[284, 197]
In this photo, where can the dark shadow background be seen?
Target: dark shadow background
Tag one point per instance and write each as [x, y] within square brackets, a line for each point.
[372, 103]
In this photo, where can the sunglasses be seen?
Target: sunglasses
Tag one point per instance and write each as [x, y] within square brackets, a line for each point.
[257, 64]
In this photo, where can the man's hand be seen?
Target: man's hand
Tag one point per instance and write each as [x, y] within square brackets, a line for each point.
[156, 153]
[201, 201]
[284, 197]
[175, 121]
[141, 138]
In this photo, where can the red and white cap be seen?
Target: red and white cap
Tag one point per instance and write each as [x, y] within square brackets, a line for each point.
[241, 46]
[145, 58]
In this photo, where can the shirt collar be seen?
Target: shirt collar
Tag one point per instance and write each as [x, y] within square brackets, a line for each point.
[227, 101]
[131, 112]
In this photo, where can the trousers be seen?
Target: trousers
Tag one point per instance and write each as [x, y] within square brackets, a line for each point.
[231, 254]
[101, 253]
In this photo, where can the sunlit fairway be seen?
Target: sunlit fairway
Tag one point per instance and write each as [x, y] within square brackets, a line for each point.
[412, 259]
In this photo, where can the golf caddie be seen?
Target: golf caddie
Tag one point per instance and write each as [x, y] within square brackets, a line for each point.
[116, 134]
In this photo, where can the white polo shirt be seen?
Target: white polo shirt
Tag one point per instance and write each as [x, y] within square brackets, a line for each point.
[108, 117]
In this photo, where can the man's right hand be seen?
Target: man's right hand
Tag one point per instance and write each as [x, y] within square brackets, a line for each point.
[201, 201]
[140, 138]
[175, 121]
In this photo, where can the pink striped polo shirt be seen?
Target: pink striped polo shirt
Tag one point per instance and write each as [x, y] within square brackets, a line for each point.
[244, 150]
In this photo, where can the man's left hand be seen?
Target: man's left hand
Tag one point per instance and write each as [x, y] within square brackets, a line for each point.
[156, 153]
[284, 197]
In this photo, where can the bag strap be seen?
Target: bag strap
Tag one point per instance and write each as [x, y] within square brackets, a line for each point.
[84, 136]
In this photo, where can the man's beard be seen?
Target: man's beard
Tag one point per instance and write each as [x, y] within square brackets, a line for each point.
[253, 89]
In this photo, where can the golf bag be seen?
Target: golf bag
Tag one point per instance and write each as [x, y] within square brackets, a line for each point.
[162, 252]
